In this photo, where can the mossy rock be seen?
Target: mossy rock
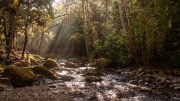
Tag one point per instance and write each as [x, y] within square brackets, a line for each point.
[141, 69]
[176, 72]
[19, 76]
[44, 71]
[51, 64]
[92, 79]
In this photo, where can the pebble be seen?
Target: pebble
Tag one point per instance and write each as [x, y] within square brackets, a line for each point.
[35, 94]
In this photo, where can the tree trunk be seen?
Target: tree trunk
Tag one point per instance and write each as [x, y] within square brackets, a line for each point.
[143, 49]
[41, 42]
[84, 4]
[26, 31]
[124, 23]
[25, 40]
[10, 34]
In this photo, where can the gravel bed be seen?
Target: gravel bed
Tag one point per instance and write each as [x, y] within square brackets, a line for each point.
[35, 93]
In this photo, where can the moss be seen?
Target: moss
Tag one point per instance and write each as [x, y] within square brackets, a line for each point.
[176, 72]
[2, 66]
[50, 63]
[141, 69]
[29, 58]
[19, 76]
[44, 71]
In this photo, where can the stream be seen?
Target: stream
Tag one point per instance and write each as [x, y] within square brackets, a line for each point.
[110, 88]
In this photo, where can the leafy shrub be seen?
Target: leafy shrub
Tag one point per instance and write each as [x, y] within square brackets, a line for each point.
[175, 60]
[100, 62]
[103, 62]
[114, 48]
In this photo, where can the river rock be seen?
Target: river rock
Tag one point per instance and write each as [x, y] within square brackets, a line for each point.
[74, 60]
[122, 80]
[71, 65]
[143, 90]
[48, 81]
[19, 76]
[52, 64]
[66, 77]
[177, 88]
[35, 95]
[5, 81]
[176, 80]
[1, 71]
[135, 82]
[44, 72]
[92, 79]
[58, 81]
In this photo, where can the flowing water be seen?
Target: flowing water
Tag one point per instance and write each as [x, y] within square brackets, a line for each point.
[111, 88]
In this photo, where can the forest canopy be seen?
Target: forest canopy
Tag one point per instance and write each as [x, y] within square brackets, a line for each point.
[124, 31]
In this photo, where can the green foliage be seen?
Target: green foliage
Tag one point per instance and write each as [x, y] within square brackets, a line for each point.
[51, 63]
[101, 62]
[174, 60]
[29, 58]
[44, 71]
[113, 48]
[176, 72]
[19, 76]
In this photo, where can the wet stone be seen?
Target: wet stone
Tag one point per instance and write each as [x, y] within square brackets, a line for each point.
[35, 95]
[48, 81]
[135, 82]
[58, 81]
[5, 81]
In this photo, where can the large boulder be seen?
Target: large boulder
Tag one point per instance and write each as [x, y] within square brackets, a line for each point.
[51, 64]
[19, 76]
[45, 72]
